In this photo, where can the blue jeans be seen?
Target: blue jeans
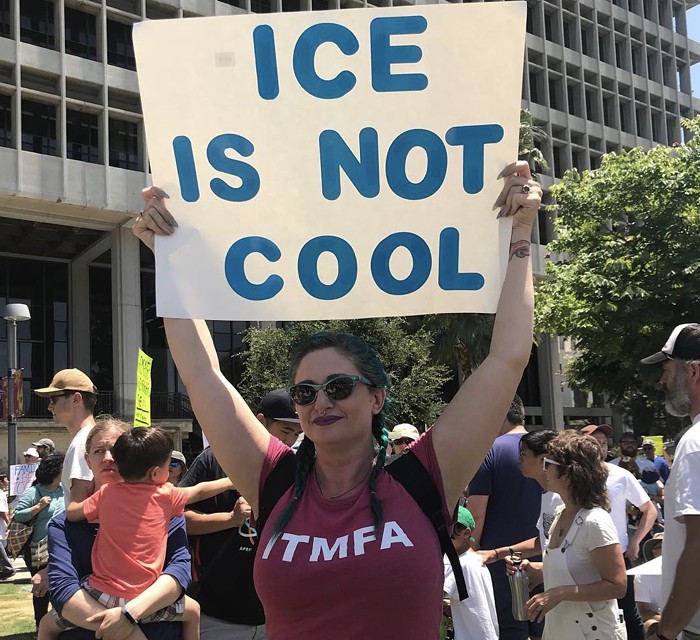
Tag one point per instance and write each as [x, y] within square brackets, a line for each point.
[633, 621]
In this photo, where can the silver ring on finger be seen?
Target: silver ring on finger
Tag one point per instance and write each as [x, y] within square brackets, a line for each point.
[525, 189]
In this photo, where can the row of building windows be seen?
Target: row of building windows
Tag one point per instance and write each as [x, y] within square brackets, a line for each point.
[38, 26]
[593, 33]
[605, 101]
[567, 148]
[83, 134]
[613, 41]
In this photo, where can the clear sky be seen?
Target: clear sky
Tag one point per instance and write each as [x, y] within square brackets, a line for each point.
[694, 33]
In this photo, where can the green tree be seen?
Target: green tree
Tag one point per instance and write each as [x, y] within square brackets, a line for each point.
[625, 269]
[415, 380]
[461, 340]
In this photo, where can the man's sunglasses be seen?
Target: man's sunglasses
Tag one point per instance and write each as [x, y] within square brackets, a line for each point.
[337, 388]
[56, 396]
[399, 441]
[174, 464]
[547, 461]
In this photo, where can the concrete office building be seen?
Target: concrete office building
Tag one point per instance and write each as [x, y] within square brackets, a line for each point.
[599, 76]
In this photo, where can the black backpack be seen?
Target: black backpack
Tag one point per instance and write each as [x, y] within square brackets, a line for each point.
[408, 470]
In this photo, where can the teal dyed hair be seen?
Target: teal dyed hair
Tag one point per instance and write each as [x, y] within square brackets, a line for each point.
[368, 364]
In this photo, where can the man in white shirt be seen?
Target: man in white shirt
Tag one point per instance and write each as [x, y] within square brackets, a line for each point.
[623, 487]
[6, 568]
[681, 547]
[72, 398]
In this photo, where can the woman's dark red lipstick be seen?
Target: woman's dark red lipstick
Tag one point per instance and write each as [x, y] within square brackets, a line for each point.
[324, 421]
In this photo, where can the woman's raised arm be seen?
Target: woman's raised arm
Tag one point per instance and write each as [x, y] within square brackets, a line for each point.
[237, 438]
[467, 428]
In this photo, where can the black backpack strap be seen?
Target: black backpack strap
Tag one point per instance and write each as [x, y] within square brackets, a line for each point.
[410, 472]
[276, 484]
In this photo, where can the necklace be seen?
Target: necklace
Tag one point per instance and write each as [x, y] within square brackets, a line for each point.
[340, 495]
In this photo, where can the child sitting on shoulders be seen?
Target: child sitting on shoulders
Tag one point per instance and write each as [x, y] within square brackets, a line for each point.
[130, 547]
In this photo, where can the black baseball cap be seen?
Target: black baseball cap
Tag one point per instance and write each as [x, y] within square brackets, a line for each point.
[277, 405]
[682, 344]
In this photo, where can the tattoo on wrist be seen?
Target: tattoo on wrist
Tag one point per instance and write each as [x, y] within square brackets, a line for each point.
[519, 249]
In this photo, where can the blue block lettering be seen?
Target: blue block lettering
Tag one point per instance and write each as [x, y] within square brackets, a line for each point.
[449, 277]
[234, 268]
[396, 164]
[335, 154]
[383, 54]
[473, 139]
[308, 267]
[305, 54]
[266, 62]
[250, 179]
[422, 263]
[186, 169]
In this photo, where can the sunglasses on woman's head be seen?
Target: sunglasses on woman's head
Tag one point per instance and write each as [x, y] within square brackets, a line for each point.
[337, 388]
[547, 461]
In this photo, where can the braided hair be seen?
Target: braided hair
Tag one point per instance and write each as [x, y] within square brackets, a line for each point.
[367, 362]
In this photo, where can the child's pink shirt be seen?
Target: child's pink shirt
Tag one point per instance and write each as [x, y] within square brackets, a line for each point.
[129, 551]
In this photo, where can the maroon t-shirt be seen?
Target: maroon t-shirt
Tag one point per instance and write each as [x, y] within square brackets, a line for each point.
[329, 576]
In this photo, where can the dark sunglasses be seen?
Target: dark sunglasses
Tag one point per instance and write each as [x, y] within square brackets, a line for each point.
[56, 396]
[405, 441]
[174, 464]
[337, 388]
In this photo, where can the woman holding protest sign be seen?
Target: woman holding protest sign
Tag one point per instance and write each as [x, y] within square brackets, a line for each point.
[347, 537]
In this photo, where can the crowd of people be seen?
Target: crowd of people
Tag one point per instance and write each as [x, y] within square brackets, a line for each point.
[314, 517]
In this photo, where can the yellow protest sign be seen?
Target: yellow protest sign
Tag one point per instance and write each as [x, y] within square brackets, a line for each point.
[658, 444]
[142, 410]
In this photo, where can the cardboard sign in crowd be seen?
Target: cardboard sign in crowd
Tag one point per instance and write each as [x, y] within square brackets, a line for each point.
[332, 164]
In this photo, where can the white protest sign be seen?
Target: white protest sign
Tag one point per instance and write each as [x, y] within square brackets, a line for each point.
[335, 164]
[21, 477]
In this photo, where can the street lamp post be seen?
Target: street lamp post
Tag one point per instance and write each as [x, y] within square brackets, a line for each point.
[14, 313]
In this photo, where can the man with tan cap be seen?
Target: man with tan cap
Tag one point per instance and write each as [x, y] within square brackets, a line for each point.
[45, 447]
[72, 398]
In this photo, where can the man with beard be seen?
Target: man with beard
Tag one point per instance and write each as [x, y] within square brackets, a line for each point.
[629, 447]
[680, 597]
